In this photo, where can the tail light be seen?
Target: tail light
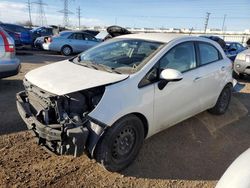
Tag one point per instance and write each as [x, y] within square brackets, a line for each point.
[8, 47]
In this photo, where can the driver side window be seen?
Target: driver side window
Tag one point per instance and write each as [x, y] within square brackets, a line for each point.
[180, 57]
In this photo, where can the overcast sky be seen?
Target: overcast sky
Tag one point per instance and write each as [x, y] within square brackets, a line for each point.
[137, 13]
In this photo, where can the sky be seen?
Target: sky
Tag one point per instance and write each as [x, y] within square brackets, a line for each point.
[137, 13]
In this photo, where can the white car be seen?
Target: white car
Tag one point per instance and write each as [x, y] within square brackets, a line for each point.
[107, 100]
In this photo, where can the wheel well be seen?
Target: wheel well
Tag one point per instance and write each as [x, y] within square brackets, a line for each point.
[68, 46]
[144, 121]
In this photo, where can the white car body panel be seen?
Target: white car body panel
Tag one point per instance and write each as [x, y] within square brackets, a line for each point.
[162, 108]
[66, 77]
[238, 173]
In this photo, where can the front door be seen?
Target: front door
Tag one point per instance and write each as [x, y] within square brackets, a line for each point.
[181, 99]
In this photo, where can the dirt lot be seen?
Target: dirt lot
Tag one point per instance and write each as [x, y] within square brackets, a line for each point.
[194, 153]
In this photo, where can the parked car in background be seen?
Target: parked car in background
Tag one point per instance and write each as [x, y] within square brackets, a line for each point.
[242, 63]
[21, 35]
[42, 32]
[232, 49]
[9, 64]
[68, 42]
[108, 99]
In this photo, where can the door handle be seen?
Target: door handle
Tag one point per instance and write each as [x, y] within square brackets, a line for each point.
[223, 68]
[197, 78]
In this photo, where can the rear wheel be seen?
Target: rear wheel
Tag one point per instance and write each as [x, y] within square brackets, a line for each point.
[121, 143]
[66, 50]
[222, 102]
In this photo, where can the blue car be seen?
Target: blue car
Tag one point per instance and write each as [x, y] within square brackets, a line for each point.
[232, 49]
[21, 35]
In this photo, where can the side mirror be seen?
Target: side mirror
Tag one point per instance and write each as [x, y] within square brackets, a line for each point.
[169, 75]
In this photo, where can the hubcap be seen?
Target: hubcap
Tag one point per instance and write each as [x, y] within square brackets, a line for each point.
[66, 50]
[123, 143]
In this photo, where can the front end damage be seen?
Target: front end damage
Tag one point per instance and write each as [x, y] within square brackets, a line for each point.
[61, 123]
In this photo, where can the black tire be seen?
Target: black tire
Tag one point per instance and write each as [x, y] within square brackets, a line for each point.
[223, 101]
[120, 144]
[66, 50]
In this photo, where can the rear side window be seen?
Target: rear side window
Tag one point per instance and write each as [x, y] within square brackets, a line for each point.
[208, 53]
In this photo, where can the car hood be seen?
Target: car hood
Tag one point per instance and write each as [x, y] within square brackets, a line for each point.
[66, 77]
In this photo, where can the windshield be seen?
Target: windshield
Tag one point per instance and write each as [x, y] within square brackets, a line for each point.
[125, 56]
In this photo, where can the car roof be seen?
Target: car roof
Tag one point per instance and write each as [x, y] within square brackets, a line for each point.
[159, 37]
[8, 24]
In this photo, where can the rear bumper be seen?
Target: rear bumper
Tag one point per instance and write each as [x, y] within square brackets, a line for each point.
[9, 68]
[60, 140]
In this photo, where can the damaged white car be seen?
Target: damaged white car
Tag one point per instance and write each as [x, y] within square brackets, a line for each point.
[107, 100]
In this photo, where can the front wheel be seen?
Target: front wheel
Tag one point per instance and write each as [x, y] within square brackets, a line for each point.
[121, 143]
[223, 101]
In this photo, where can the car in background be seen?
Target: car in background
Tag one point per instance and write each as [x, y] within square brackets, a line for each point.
[42, 32]
[9, 64]
[108, 99]
[20, 34]
[68, 42]
[232, 49]
[242, 64]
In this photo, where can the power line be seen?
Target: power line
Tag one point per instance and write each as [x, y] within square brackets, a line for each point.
[41, 18]
[29, 8]
[79, 16]
[66, 13]
[206, 21]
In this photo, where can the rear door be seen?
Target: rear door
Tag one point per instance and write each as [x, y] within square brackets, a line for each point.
[77, 42]
[90, 41]
[213, 70]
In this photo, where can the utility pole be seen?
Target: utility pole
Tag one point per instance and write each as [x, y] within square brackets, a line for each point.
[29, 8]
[79, 17]
[66, 13]
[223, 24]
[206, 21]
[41, 18]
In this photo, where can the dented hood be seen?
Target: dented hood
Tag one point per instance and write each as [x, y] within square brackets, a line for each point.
[66, 77]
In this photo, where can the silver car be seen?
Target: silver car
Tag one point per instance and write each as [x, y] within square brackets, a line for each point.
[242, 63]
[69, 42]
[9, 64]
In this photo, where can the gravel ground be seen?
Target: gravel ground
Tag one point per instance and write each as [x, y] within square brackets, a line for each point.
[194, 153]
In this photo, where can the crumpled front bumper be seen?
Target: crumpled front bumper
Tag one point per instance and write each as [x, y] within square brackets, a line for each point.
[69, 141]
